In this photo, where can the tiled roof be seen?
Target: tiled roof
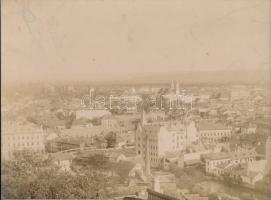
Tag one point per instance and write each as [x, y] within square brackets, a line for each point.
[151, 128]
[94, 130]
[238, 155]
[217, 156]
[108, 116]
[17, 127]
[264, 122]
[160, 195]
[204, 125]
[231, 155]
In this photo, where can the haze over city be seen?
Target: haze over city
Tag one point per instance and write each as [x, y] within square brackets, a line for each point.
[136, 99]
[103, 40]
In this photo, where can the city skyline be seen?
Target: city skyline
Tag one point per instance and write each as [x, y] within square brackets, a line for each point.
[136, 99]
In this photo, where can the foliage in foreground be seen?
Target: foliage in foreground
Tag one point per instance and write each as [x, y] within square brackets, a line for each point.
[31, 176]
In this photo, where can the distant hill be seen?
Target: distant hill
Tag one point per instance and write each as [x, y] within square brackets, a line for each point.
[262, 77]
[205, 77]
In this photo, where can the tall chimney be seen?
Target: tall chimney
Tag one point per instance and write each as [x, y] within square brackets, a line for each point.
[147, 162]
[143, 117]
[156, 184]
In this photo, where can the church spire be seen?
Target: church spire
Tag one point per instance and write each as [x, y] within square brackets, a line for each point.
[177, 87]
[172, 85]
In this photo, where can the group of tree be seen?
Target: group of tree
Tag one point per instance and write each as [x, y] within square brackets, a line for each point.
[31, 176]
[264, 185]
[68, 116]
[232, 180]
[95, 121]
[99, 161]
[111, 139]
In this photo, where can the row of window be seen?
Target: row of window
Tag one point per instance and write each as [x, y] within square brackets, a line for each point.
[23, 137]
[229, 161]
[153, 140]
[215, 134]
[10, 153]
[155, 159]
[152, 159]
[181, 137]
[24, 144]
[219, 162]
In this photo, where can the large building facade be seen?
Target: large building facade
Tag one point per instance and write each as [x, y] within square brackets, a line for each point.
[153, 140]
[218, 163]
[17, 137]
[268, 156]
[213, 132]
[263, 127]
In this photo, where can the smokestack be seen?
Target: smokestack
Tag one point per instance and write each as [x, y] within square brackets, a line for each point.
[90, 96]
[147, 162]
[156, 184]
[143, 117]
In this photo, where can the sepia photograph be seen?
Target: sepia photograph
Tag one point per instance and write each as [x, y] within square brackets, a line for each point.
[136, 99]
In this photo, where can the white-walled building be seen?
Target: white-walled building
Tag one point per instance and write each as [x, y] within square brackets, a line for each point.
[158, 139]
[109, 121]
[18, 137]
[217, 163]
[91, 114]
[213, 132]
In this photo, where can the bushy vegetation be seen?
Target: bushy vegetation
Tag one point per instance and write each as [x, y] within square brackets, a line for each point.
[188, 177]
[31, 176]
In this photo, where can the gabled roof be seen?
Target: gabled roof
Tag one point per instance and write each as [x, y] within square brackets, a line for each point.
[217, 156]
[151, 128]
[206, 125]
[160, 195]
[109, 116]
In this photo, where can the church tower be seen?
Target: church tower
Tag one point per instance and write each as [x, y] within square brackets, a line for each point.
[172, 86]
[177, 87]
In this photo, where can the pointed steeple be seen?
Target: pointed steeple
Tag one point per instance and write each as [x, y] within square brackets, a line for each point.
[177, 87]
[172, 85]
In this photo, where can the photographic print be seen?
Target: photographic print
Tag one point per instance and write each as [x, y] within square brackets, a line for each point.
[136, 99]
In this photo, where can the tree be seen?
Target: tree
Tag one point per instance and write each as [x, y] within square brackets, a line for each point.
[32, 176]
[111, 139]
[60, 115]
[97, 161]
[95, 121]
[146, 103]
[213, 196]
[69, 119]
[31, 119]
[123, 169]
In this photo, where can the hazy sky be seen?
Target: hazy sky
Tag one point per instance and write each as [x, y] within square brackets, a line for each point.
[89, 39]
